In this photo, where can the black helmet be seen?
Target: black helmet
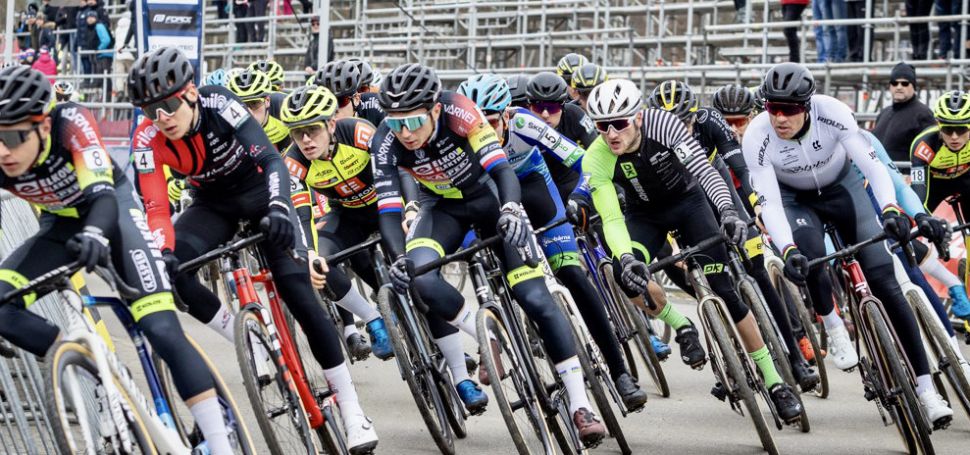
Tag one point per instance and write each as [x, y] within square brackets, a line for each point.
[546, 86]
[342, 77]
[408, 87]
[517, 87]
[675, 97]
[759, 99]
[788, 83]
[366, 72]
[158, 75]
[733, 99]
[25, 94]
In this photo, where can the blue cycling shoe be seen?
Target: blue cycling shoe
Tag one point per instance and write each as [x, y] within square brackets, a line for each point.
[379, 341]
[660, 348]
[472, 395]
[961, 305]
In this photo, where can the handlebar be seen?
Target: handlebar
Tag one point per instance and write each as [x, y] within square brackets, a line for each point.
[53, 280]
[687, 252]
[851, 250]
[343, 255]
[218, 253]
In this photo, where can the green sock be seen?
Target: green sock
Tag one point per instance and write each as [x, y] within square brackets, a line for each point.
[672, 317]
[763, 359]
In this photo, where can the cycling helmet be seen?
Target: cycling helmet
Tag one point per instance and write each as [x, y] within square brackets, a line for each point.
[569, 64]
[517, 85]
[788, 83]
[63, 89]
[158, 75]
[733, 99]
[366, 72]
[488, 91]
[250, 85]
[546, 86]
[588, 76]
[617, 98]
[342, 77]
[378, 78]
[408, 87]
[675, 97]
[25, 94]
[759, 99]
[272, 70]
[306, 105]
[217, 77]
[953, 108]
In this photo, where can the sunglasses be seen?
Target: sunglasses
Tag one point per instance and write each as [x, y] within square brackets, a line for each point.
[343, 101]
[255, 105]
[412, 122]
[738, 121]
[959, 130]
[312, 130]
[903, 83]
[786, 109]
[552, 107]
[13, 138]
[620, 124]
[167, 106]
[494, 119]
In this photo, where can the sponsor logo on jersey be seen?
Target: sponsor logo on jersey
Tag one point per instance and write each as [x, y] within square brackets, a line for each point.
[924, 152]
[144, 267]
[831, 123]
[817, 145]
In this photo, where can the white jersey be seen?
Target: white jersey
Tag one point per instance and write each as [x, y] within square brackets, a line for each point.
[816, 160]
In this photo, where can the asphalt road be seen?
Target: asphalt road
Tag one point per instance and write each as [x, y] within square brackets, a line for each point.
[690, 421]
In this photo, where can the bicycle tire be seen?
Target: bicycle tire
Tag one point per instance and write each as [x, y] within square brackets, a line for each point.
[789, 293]
[537, 439]
[71, 354]
[729, 358]
[909, 415]
[249, 329]
[167, 387]
[440, 430]
[939, 342]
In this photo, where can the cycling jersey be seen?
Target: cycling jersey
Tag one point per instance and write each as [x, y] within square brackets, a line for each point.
[908, 199]
[224, 153]
[461, 160]
[717, 138]
[666, 166]
[370, 109]
[934, 162]
[527, 135]
[821, 157]
[277, 131]
[576, 126]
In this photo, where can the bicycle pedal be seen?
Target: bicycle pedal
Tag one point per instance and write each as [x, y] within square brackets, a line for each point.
[870, 394]
[719, 391]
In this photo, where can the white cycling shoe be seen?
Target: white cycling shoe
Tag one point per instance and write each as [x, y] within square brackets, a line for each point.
[840, 349]
[361, 435]
[936, 408]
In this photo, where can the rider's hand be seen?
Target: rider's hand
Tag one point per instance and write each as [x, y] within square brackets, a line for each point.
[735, 228]
[796, 266]
[896, 224]
[933, 228]
[90, 247]
[400, 278]
[513, 225]
[578, 211]
[171, 262]
[634, 273]
[278, 227]
[318, 278]
[175, 187]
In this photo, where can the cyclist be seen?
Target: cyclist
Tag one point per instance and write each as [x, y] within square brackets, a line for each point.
[56, 160]
[517, 89]
[668, 185]
[718, 141]
[799, 155]
[441, 139]
[254, 89]
[218, 77]
[342, 78]
[941, 157]
[273, 70]
[63, 91]
[375, 83]
[367, 106]
[547, 99]
[569, 64]
[207, 135]
[584, 80]
[736, 105]
[525, 138]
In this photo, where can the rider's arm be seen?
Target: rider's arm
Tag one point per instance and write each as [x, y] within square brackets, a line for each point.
[766, 184]
[533, 131]
[388, 186]
[149, 164]
[862, 154]
[484, 143]
[300, 195]
[692, 155]
[94, 172]
[908, 200]
[921, 153]
[730, 150]
[253, 139]
[598, 164]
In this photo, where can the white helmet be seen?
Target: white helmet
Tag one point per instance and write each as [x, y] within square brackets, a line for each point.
[378, 78]
[615, 98]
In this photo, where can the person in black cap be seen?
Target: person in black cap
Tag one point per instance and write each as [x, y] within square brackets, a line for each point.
[899, 124]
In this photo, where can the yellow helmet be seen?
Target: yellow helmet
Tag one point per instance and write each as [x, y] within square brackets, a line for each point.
[250, 84]
[272, 69]
[308, 104]
[569, 64]
[953, 108]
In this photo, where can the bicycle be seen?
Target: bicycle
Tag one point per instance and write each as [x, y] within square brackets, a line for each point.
[95, 405]
[732, 367]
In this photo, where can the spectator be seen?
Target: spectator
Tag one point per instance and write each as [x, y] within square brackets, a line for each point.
[257, 8]
[222, 9]
[244, 30]
[791, 10]
[64, 20]
[741, 11]
[919, 33]
[27, 57]
[950, 38]
[50, 11]
[897, 125]
[102, 60]
[44, 36]
[836, 36]
[313, 50]
[130, 33]
[87, 42]
[856, 9]
[123, 55]
[45, 64]
[820, 45]
[26, 27]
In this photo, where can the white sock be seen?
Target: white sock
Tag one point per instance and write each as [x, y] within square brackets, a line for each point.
[465, 321]
[450, 347]
[956, 348]
[224, 323]
[572, 377]
[349, 330]
[208, 416]
[343, 385]
[924, 383]
[937, 270]
[357, 304]
[832, 320]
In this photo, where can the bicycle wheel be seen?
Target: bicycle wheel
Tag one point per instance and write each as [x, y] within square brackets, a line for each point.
[909, 419]
[789, 293]
[272, 393]
[513, 393]
[939, 344]
[181, 416]
[723, 349]
[78, 406]
[422, 386]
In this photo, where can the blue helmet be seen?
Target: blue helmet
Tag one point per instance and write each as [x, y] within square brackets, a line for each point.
[217, 77]
[490, 92]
